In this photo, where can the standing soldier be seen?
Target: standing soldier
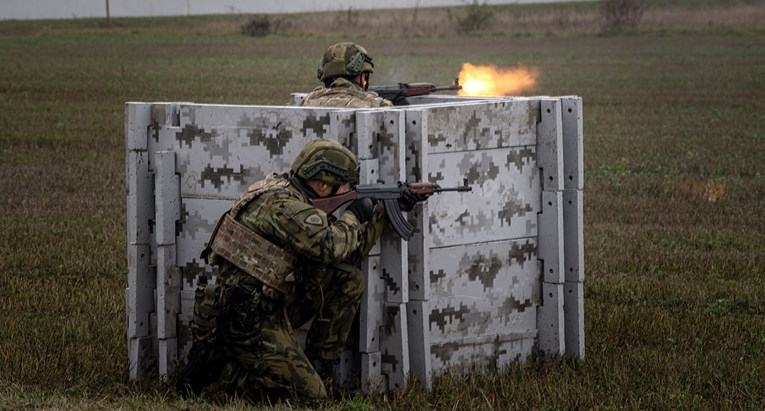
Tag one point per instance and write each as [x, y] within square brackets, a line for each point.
[345, 70]
[277, 254]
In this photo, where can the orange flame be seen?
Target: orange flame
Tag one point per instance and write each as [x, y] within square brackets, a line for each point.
[493, 81]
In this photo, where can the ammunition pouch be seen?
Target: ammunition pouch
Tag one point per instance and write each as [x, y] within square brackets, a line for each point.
[255, 255]
[210, 308]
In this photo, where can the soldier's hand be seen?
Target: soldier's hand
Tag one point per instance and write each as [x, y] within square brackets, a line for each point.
[410, 197]
[363, 209]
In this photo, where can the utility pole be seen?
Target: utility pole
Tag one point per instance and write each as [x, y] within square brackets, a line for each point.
[108, 20]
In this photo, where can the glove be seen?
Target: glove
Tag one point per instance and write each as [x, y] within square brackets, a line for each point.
[363, 209]
[410, 197]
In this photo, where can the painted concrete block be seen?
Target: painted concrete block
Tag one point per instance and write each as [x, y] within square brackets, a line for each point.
[480, 283]
[483, 351]
[550, 319]
[419, 341]
[371, 372]
[573, 312]
[140, 291]
[573, 142]
[394, 350]
[481, 290]
[573, 235]
[551, 236]
[550, 145]
[140, 357]
[372, 306]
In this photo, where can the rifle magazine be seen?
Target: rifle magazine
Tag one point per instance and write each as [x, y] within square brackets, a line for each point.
[397, 220]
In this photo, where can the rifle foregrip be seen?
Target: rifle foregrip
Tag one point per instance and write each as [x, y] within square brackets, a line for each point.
[397, 220]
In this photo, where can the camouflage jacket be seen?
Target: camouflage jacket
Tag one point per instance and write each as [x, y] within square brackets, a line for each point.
[281, 216]
[343, 93]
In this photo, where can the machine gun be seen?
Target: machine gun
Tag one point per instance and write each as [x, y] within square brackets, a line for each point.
[398, 93]
[389, 195]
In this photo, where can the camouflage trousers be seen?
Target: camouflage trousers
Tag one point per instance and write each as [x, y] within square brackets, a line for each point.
[265, 360]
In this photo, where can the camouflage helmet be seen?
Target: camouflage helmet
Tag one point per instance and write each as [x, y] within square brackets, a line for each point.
[327, 161]
[344, 59]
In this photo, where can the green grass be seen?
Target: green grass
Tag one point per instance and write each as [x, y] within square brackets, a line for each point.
[675, 181]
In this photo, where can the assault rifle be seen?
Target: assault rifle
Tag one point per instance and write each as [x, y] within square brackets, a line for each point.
[389, 195]
[398, 94]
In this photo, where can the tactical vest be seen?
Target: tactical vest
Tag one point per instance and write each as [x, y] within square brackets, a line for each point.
[249, 251]
[343, 93]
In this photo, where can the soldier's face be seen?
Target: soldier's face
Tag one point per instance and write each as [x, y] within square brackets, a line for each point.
[323, 189]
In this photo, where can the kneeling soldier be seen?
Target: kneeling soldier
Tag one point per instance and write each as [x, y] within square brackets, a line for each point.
[280, 263]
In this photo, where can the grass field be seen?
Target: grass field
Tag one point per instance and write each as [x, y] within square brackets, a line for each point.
[674, 124]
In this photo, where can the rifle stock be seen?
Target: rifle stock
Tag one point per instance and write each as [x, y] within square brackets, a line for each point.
[330, 204]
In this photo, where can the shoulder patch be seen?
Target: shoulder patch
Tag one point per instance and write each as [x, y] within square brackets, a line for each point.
[308, 223]
[314, 219]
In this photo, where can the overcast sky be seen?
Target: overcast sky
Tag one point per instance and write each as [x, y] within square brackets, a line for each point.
[64, 9]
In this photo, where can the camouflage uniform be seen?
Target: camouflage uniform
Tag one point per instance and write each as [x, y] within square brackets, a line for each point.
[274, 250]
[339, 69]
[343, 93]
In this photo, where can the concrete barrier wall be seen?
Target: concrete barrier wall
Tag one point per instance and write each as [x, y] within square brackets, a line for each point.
[489, 276]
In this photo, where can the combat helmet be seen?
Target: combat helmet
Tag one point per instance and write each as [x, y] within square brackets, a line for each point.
[344, 59]
[327, 161]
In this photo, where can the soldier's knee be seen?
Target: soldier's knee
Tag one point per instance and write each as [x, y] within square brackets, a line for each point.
[313, 389]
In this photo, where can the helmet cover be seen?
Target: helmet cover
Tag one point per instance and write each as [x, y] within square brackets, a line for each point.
[344, 59]
[327, 161]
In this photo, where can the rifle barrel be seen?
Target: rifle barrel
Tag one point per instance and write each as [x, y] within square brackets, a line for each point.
[461, 188]
[443, 88]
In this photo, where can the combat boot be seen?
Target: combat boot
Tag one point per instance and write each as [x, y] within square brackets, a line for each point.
[326, 370]
[203, 367]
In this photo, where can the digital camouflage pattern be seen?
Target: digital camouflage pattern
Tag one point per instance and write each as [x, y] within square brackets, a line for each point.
[343, 93]
[468, 289]
[475, 280]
